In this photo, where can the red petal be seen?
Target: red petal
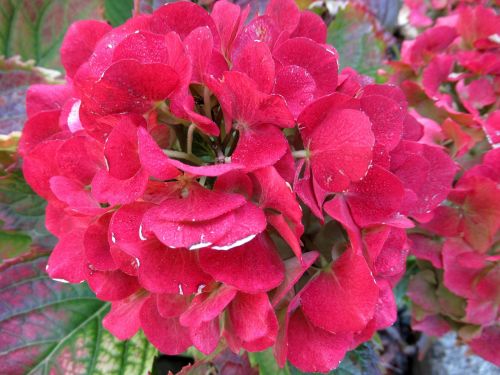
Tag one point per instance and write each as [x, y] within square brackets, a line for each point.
[123, 319]
[79, 43]
[207, 306]
[376, 198]
[318, 111]
[250, 221]
[121, 151]
[166, 334]
[205, 337]
[294, 269]
[41, 97]
[164, 270]
[285, 13]
[337, 208]
[106, 188]
[256, 61]
[310, 26]
[129, 86]
[39, 128]
[96, 244]
[67, 260]
[80, 157]
[315, 60]
[229, 19]
[387, 117]
[183, 18]
[253, 267]
[111, 285]
[253, 321]
[125, 227]
[341, 149]
[196, 204]
[342, 299]
[199, 45]
[171, 305]
[313, 349]
[259, 147]
[73, 193]
[152, 158]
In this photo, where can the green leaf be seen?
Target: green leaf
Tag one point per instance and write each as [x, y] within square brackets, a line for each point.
[21, 209]
[47, 327]
[34, 29]
[13, 244]
[266, 363]
[361, 361]
[354, 34]
[118, 11]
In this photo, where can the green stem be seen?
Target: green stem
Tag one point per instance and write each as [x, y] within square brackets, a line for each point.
[183, 155]
[190, 133]
[207, 101]
[300, 154]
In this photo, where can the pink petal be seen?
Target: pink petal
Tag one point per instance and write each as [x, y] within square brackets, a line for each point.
[205, 337]
[106, 188]
[285, 13]
[96, 244]
[111, 285]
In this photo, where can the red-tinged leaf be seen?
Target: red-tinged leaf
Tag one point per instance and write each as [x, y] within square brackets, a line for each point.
[433, 325]
[343, 298]
[22, 210]
[312, 349]
[423, 293]
[50, 327]
[15, 77]
[252, 268]
[355, 36]
[425, 248]
[21, 36]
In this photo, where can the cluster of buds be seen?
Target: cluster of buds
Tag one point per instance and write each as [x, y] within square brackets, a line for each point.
[451, 74]
[223, 185]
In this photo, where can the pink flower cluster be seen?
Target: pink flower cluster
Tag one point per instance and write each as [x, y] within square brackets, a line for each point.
[167, 160]
[451, 73]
